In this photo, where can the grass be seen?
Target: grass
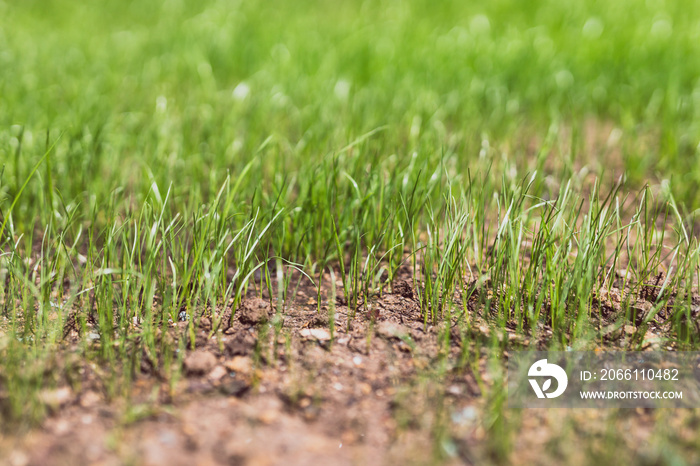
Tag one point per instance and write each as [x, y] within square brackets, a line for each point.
[158, 156]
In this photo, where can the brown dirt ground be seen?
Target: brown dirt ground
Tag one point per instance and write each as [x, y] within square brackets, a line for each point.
[372, 395]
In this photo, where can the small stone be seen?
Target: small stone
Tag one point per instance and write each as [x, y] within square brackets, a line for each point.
[320, 334]
[268, 416]
[61, 426]
[89, 399]
[241, 344]
[254, 311]
[199, 362]
[218, 373]
[652, 341]
[200, 386]
[305, 402]
[391, 330]
[240, 364]
[455, 390]
[403, 347]
[234, 387]
[56, 398]
[205, 323]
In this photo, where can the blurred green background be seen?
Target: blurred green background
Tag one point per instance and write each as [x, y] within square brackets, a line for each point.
[192, 89]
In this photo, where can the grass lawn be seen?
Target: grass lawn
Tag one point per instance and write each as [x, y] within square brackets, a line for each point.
[313, 232]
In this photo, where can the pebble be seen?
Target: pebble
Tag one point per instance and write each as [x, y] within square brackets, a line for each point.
[199, 362]
[320, 334]
[391, 330]
[218, 373]
[89, 399]
[240, 364]
[241, 344]
[56, 398]
[254, 311]
[234, 387]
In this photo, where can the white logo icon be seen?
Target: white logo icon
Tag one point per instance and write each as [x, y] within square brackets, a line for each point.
[542, 369]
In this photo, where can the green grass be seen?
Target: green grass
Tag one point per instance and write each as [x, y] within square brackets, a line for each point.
[156, 156]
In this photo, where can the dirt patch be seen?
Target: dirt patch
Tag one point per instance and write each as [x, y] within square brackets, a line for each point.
[375, 385]
[254, 395]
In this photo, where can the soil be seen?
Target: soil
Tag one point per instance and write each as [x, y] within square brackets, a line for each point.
[278, 387]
